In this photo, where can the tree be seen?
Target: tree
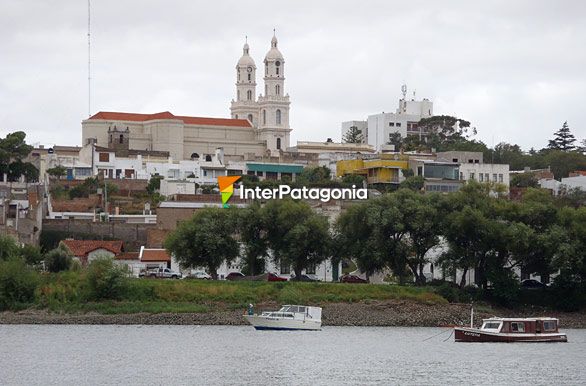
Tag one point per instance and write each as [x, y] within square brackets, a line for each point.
[563, 139]
[58, 259]
[13, 149]
[524, 180]
[415, 183]
[57, 171]
[8, 248]
[396, 140]
[314, 175]
[296, 235]
[105, 279]
[154, 184]
[253, 234]
[206, 240]
[353, 135]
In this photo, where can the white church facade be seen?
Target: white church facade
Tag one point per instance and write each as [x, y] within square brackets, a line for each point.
[258, 127]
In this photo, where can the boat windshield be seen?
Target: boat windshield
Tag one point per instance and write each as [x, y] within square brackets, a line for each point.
[491, 326]
[294, 309]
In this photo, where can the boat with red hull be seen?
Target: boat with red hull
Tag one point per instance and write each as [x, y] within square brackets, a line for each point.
[512, 330]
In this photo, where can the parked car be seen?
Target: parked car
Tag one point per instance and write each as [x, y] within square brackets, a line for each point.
[352, 279]
[201, 275]
[163, 273]
[532, 284]
[274, 277]
[306, 277]
[234, 276]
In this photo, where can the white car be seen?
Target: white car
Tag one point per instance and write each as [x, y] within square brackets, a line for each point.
[199, 275]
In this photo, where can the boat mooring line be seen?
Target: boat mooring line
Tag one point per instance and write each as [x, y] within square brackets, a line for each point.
[433, 336]
[449, 336]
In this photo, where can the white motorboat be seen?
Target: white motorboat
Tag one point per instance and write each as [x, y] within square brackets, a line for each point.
[289, 317]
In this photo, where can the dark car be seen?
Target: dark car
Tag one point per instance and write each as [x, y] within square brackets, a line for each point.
[234, 276]
[309, 277]
[532, 284]
[275, 277]
[352, 279]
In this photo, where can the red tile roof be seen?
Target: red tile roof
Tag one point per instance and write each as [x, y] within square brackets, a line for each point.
[155, 255]
[127, 256]
[116, 116]
[81, 248]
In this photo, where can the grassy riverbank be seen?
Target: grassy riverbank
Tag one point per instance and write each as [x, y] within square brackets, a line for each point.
[66, 293]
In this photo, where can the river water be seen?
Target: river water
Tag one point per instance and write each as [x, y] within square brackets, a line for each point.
[207, 355]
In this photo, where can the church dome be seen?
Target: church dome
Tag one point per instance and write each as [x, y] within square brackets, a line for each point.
[274, 52]
[246, 59]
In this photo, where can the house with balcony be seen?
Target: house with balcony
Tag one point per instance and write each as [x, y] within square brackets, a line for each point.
[384, 169]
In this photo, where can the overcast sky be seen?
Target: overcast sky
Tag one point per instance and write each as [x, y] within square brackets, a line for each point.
[515, 69]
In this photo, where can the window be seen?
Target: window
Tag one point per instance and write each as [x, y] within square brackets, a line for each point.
[310, 269]
[236, 116]
[250, 117]
[461, 176]
[277, 70]
[264, 117]
[110, 138]
[266, 90]
[517, 326]
[392, 124]
[549, 325]
[480, 177]
[249, 95]
[277, 90]
[285, 269]
[454, 160]
[471, 176]
[104, 157]
[491, 325]
[501, 178]
[121, 139]
[487, 177]
[278, 143]
[494, 177]
[249, 77]
[278, 116]
[398, 124]
[238, 95]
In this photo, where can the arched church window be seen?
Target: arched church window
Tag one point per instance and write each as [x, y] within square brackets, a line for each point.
[249, 77]
[239, 75]
[266, 90]
[277, 69]
[110, 138]
[238, 95]
[249, 95]
[277, 90]
[121, 138]
[264, 117]
[278, 117]
[278, 142]
[250, 117]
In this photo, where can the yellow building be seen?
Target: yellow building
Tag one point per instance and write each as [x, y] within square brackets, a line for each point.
[383, 170]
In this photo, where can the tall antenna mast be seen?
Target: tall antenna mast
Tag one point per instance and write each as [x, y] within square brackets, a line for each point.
[89, 57]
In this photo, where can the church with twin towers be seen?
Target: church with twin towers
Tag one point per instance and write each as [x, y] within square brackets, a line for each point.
[268, 112]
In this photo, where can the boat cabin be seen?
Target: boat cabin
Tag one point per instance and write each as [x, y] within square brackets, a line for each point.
[520, 325]
[296, 312]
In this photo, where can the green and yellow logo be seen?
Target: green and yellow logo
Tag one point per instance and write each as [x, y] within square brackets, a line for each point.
[226, 184]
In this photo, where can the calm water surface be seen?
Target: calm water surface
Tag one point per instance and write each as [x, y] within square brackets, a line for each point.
[181, 355]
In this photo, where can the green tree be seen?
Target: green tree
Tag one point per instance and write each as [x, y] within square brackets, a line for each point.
[353, 135]
[17, 284]
[154, 184]
[415, 183]
[58, 259]
[353, 179]
[253, 234]
[396, 140]
[13, 149]
[8, 248]
[314, 175]
[296, 235]
[206, 240]
[563, 139]
[57, 171]
[524, 180]
[105, 279]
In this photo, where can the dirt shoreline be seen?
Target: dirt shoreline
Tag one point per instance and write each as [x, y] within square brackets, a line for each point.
[379, 313]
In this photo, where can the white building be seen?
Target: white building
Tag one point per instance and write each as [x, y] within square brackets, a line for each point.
[577, 182]
[268, 113]
[381, 127]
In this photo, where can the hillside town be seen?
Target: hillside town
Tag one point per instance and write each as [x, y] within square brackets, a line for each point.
[134, 178]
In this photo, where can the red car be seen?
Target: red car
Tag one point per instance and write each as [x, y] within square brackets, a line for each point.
[275, 277]
[352, 279]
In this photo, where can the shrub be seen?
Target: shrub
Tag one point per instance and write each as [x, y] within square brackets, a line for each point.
[448, 292]
[105, 280]
[17, 284]
[506, 288]
[57, 260]
[8, 248]
[566, 292]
